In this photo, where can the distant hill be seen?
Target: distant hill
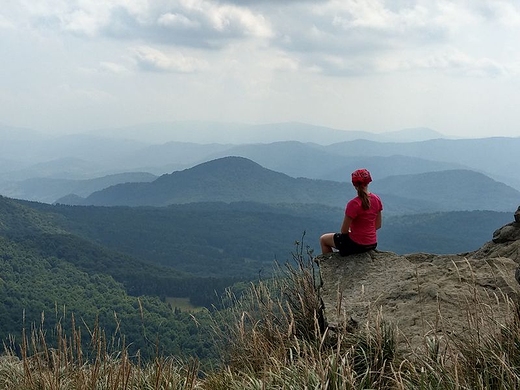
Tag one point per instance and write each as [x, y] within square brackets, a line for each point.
[301, 150]
[236, 179]
[229, 179]
[316, 162]
[80, 146]
[239, 133]
[170, 156]
[452, 190]
[12, 133]
[414, 134]
[48, 190]
[496, 157]
[62, 168]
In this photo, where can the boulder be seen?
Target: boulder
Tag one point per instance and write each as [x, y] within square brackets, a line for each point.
[424, 295]
[505, 243]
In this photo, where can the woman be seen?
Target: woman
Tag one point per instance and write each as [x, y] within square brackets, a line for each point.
[361, 221]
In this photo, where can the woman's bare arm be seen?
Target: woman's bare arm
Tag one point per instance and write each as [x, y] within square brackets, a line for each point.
[345, 226]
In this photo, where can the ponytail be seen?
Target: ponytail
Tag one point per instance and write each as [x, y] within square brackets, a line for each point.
[365, 199]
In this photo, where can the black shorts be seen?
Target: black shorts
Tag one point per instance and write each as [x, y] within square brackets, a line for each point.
[346, 246]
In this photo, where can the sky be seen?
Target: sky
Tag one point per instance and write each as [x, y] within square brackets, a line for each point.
[373, 65]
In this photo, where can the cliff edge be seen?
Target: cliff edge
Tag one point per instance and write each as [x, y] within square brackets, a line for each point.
[424, 295]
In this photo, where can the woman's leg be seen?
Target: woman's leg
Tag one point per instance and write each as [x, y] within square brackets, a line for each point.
[327, 242]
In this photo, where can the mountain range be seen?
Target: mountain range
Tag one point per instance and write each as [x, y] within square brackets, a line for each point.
[237, 179]
[202, 132]
[32, 161]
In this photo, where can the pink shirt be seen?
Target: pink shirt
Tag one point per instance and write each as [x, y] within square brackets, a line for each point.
[363, 225]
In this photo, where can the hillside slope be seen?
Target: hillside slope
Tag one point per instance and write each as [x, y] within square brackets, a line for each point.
[242, 239]
[49, 275]
[228, 179]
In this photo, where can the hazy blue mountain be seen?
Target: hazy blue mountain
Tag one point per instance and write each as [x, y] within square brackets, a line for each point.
[497, 157]
[88, 156]
[48, 190]
[452, 190]
[65, 157]
[229, 179]
[46, 148]
[12, 133]
[170, 156]
[61, 168]
[293, 158]
[383, 166]
[71, 199]
[316, 162]
[9, 165]
[236, 179]
[413, 134]
[240, 133]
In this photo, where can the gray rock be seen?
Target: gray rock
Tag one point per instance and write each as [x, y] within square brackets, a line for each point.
[423, 295]
[517, 215]
[507, 233]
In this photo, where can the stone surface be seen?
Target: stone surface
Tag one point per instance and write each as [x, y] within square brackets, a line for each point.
[507, 233]
[423, 295]
[505, 243]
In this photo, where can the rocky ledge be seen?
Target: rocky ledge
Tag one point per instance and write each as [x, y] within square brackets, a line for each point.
[424, 295]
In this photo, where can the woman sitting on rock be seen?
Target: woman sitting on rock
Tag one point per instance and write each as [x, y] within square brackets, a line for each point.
[361, 221]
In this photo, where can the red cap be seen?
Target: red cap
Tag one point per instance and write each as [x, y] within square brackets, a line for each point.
[361, 177]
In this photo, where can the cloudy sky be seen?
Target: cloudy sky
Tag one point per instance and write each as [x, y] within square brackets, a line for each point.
[373, 65]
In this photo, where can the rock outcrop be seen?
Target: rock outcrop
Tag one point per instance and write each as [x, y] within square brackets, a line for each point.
[424, 295]
[505, 242]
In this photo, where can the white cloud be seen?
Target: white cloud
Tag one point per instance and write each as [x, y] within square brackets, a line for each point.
[459, 63]
[502, 12]
[6, 23]
[75, 95]
[149, 20]
[112, 67]
[150, 59]
[174, 20]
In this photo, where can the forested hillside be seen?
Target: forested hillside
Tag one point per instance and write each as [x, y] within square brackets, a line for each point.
[49, 275]
[243, 239]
